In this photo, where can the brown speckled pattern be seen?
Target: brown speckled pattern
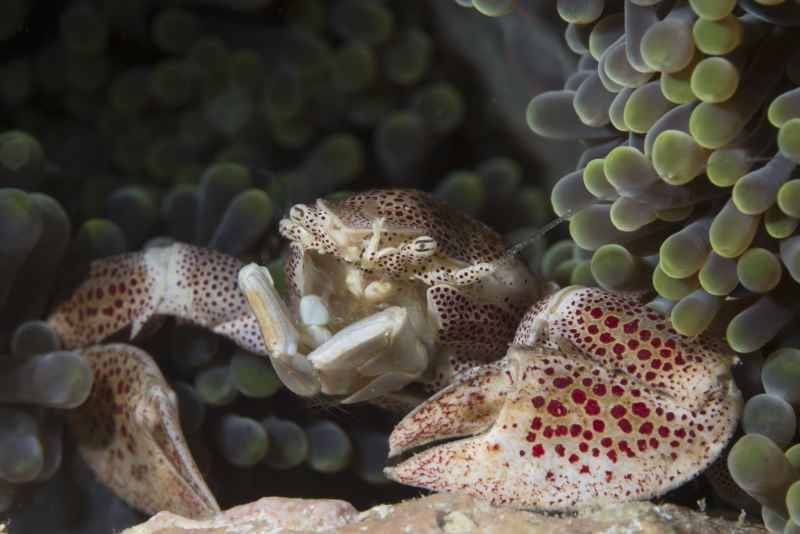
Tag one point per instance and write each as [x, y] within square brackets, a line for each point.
[189, 282]
[460, 240]
[119, 291]
[475, 294]
[474, 331]
[129, 433]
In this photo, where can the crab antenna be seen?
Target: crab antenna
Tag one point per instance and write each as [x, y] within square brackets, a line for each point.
[679, 201]
[536, 235]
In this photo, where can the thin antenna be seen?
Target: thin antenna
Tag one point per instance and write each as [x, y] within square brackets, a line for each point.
[538, 234]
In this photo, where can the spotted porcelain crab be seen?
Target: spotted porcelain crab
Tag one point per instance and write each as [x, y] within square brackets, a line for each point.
[596, 399]
[387, 288]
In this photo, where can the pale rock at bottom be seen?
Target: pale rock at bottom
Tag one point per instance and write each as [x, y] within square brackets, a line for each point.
[441, 514]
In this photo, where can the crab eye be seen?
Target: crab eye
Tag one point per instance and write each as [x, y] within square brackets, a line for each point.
[297, 213]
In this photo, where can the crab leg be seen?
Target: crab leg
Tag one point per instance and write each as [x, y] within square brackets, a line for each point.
[129, 433]
[189, 282]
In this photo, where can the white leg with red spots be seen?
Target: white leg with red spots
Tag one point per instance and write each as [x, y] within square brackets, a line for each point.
[131, 290]
[129, 434]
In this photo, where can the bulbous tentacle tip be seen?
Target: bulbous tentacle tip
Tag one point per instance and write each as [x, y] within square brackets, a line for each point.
[129, 433]
[568, 432]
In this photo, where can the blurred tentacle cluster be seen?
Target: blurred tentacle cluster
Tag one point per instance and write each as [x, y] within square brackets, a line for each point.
[38, 380]
[689, 111]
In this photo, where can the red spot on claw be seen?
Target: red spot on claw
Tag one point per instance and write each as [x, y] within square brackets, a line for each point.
[631, 326]
[562, 382]
[618, 411]
[598, 425]
[640, 409]
[625, 426]
[556, 409]
[592, 407]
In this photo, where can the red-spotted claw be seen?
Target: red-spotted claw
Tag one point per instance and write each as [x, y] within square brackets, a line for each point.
[129, 433]
[597, 401]
[134, 289]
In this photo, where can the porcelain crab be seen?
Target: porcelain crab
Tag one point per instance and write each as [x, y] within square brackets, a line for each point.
[597, 399]
[387, 288]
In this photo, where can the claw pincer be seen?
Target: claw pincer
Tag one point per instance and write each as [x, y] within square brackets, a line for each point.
[598, 401]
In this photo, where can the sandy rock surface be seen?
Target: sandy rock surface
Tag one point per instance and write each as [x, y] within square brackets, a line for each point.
[440, 514]
[265, 516]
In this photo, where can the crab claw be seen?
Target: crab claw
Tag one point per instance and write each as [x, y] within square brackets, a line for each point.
[129, 434]
[469, 406]
[193, 283]
[551, 430]
[280, 336]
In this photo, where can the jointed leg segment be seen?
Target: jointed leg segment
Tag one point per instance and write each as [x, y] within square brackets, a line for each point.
[366, 359]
